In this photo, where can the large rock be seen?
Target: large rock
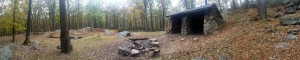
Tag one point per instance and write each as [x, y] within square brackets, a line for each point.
[290, 10]
[289, 21]
[124, 51]
[5, 53]
[107, 32]
[296, 2]
[285, 1]
[298, 8]
[34, 45]
[124, 34]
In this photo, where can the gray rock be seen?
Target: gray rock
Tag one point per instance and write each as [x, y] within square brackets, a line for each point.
[298, 8]
[276, 15]
[285, 1]
[34, 45]
[288, 21]
[5, 53]
[224, 56]
[291, 37]
[124, 51]
[135, 51]
[290, 10]
[282, 45]
[200, 58]
[296, 2]
[124, 34]
[107, 32]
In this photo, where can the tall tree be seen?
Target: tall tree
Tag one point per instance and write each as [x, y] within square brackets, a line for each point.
[263, 10]
[51, 4]
[151, 13]
[65, 42]
[234, 5]
[145, 14]
[188, 4]
[14, 21]
[246, 4]
[28, 26]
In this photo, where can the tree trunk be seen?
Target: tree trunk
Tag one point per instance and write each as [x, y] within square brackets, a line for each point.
[263, 10]
[234, 7]
[14, 21]
[66, 46]
[151, 15]
[247, 4]
[145, 14]
[28, 26]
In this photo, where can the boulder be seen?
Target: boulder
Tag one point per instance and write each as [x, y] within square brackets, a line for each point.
[107, 32]
[282, 45]
[5, 53]
[296, 2]
[124, 34]
[298, 8]
[285, 2]
[288, 21]
[34, 45]
[290, 10]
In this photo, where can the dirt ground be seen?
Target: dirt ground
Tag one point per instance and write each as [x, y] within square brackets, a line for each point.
[241, 38]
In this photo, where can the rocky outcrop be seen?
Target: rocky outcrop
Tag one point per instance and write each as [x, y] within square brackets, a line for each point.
[287, 20]
[291, 6]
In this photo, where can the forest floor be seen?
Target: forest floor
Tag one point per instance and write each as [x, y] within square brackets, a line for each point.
[240, 38]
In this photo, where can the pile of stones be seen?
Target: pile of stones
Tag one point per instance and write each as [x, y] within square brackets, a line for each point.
[140, 46]
[291, 6]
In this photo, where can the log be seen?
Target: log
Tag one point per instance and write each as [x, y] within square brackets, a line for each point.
[136, 39]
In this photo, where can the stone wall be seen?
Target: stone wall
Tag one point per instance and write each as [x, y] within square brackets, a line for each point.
[185, 27]
[212, 22]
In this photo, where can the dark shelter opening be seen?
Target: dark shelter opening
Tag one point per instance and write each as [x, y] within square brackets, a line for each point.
[202, 20]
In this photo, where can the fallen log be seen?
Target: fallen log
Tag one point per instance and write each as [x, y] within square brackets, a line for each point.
[136, 39]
